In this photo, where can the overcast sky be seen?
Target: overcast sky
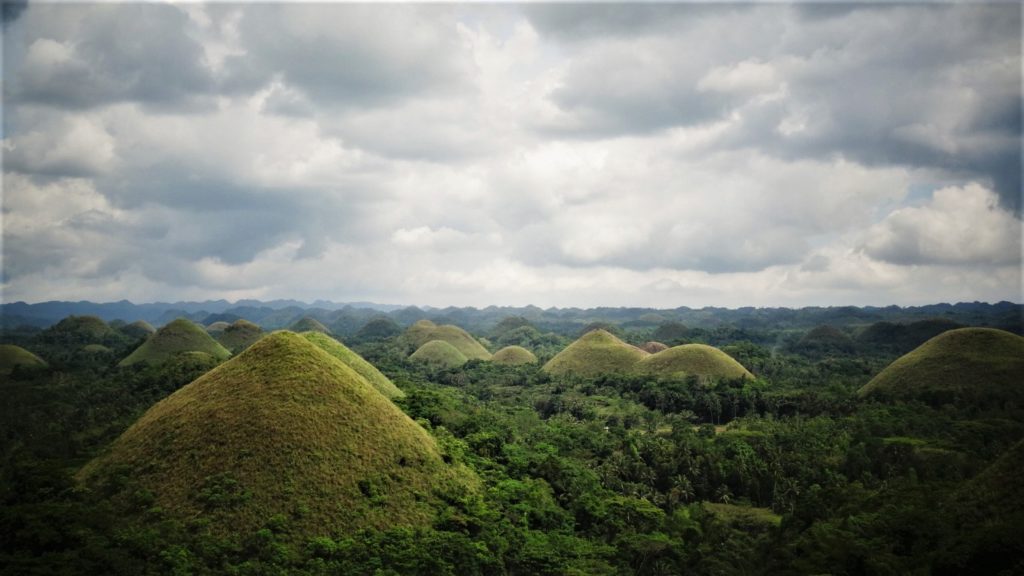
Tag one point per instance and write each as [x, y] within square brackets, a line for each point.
[557, 155]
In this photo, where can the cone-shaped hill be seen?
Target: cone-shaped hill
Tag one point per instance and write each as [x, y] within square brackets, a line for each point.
[12, 356]
[653, 347]
[355, 362]
[424, 331]
[981, 366]
[513, 356]
[692, 360]
[138, 329]
[284, 428]
[217, 327]
[76, 331]
[308, 324]
[239, 335]
[596, 352]
[179, 336]
[439, 354]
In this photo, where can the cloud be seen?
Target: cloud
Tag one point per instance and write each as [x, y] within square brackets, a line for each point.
[958, 226]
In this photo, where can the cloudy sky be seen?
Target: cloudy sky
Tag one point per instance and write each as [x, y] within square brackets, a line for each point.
[550, 154]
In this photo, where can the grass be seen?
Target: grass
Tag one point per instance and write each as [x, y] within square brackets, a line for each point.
[95, 349]
[12, 356]
[239, 335]
[283, 429]
[513, 356]
[308, 324]
[176, 337]
[439, 354]
[980, 366]
[80, 328]
[217, 327]
[596, 352]
[355, 362]
[653, 347]
[746, 517]
[424, 331]
[692, 359]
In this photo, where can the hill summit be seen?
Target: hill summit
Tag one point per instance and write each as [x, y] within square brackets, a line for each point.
[12, 356]
[977, 365]
[176, 337]
[355, 362]
[514, 356]
[596, 352]
[693, 360]
[283, 429]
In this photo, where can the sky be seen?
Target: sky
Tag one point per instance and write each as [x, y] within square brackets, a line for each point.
[655, 155]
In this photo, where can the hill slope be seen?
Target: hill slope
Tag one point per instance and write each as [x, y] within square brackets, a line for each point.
[424, 331]
[308, 324]
[596, 352]
[692, 359]
[179, 336]
[239, 335]
[514, 356]
[12, 356]
[355, 362]
[283, 428]
[979, 365]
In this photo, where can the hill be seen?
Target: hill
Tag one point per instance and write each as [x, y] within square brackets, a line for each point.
[905, 337]
[355, 362]
[379, 329]
[825, 338]
[653, 347]
[439, 354]
[138, 329]
[424, 331]
[217, 327]
[308, 324]
[282, 430]
[596, 352]
[179, 336]
[239, 335]
[76, 331]
[695, 360]
[513, 356]
[982, 366]
[12, 356]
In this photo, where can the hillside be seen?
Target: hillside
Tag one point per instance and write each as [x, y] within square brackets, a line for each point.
[239, 335]
[692, 359]
[179, 336]
[439, 354]
[138, 329]
[514, 356]
[982, 366]
[308, 324]
[424, 331]
[282, 429]
[355, 362]
[596, 352]
[12, 356]
[825, 338]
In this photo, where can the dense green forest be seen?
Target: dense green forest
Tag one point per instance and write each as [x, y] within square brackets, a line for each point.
[795, 467]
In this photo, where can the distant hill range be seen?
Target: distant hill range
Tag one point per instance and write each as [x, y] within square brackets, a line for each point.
[346, 319]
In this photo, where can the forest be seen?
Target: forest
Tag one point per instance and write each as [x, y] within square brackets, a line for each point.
[808, 441]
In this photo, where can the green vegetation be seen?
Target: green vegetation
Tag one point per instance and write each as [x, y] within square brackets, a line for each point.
[692, 360]
[379, 329]
[308, 324]
[13, 357]
[424, 331]
[826, 339]
[356, 362]
[977, 366]
[239, 335]
[179, 336]
[439, 354]
[514, 356]
[282, 430]
[596, 352]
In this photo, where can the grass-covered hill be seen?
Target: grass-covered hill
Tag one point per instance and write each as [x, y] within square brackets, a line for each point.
[439, 354]
[283, 430]
[692, 360]
[308, 324]
[980, 366]
[379, 329]
[825, 338]
[12, 356]
[138, 329]
[514, 356]
[424, 331]
[76, 331]
[596, 352]
[904, 337]
[217, 327]
[239, 335]
[653, 347]
[355, 362]
[179, 336]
